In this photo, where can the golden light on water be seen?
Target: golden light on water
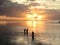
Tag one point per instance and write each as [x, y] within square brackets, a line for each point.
[35, 22]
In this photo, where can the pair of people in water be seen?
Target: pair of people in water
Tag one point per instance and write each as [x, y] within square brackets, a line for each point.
[26, 32]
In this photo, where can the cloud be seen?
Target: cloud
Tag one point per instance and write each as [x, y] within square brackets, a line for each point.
[10, 9]
[53, 14]
[3, 1]
[13, 9]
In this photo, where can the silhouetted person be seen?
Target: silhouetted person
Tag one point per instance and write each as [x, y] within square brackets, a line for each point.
[27, 32]
[24, 32]
[32, 36]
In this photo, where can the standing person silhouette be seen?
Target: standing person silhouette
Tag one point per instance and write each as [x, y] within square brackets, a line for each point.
[32, 36]
[24, 32]
[27, 31]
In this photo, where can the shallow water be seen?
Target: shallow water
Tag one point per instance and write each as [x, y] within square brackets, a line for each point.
[46, 32]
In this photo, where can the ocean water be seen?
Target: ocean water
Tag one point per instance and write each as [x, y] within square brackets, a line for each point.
[46, 32]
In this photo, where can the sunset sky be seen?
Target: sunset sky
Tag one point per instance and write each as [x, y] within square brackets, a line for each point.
[17, 8]
[46, 3]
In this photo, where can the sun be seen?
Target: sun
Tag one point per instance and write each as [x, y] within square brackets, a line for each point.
[35, 17]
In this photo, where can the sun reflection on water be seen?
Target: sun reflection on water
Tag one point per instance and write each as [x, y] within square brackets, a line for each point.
[35, 23]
